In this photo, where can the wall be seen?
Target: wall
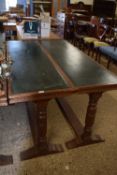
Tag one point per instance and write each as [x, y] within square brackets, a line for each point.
[22, 2]
[2, 5]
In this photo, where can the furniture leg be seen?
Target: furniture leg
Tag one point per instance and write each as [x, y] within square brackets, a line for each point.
[90, 116]
[38, 123]
[98, 55]
[86, 136]
[6, 160]
[83, 134]
[108, 62]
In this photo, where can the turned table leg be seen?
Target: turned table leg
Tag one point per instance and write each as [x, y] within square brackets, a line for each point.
[83, 134]
[6, 159]
[38, 123]
[90, 116]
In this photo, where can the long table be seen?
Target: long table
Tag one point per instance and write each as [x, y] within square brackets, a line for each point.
[9, 26]
[53, 69]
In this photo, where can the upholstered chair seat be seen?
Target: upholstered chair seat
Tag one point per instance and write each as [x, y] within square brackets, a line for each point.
[100, 43]
[110, 52]
[90, 39]
[98, 40]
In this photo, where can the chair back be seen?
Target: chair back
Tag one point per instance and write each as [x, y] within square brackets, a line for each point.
[102, 29]
[69, 26]
[94, 20]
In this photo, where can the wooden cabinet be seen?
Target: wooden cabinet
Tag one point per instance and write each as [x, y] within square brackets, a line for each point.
[104, 8]
[47, 5]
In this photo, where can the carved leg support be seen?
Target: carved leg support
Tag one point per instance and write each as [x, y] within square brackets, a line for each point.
[90, 115]
[98, 55]
[38, 123]
[86, 137]
[6, 160]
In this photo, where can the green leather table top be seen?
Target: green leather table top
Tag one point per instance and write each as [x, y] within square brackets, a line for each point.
[31, 70]
[81, 69]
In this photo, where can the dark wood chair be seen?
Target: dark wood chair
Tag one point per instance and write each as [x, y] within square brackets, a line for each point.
[69, 27]
[92, 43]
[82, 30]
[110, 52]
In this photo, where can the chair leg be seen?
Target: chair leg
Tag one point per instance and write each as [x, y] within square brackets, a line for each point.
[90, 48]
[75, 42]
[94, 51]
[108, 63]
[88, 51]
[98, 56]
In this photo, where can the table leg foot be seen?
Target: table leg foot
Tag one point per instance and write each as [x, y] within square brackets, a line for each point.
[84, 142]
[40, 151]
[6, 160]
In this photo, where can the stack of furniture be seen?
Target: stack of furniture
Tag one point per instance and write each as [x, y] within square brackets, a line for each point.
[47, 6]
[81, 8]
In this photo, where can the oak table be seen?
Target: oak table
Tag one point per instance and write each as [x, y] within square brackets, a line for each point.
[53, 69]
[9, 26]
